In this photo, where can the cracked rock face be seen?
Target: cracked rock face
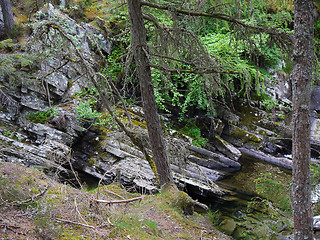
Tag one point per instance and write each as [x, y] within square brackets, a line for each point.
[107, 155]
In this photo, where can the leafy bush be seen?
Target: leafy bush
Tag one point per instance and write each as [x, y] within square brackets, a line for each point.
[42, 116]
[192, 130]
[215, 217]
[88, 115]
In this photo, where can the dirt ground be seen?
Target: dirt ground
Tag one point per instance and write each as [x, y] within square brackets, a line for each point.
[33, 206]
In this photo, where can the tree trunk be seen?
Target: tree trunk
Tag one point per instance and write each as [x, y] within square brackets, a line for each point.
[140, 49]
[301, 84]
[7, 16]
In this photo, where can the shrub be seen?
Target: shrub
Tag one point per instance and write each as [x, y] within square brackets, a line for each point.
[42, 116]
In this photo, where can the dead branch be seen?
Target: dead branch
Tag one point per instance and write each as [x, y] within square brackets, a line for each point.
[174, 59]
[11, 227]
[113, 193]
[73, 171]
[196, 71]
[118, 94]
[271, 31]
[109, 81]
[75, 223]
[202, 205]
[98, 188]
[80, 215]
[119, 201]
[4, 202]
[32, 199]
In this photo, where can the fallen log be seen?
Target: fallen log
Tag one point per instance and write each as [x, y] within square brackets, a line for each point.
[278, 161]
[118, 201]
[211, 164]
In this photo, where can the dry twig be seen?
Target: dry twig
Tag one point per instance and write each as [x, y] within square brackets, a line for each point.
[119, 201]
[75, 223]
[31, 199]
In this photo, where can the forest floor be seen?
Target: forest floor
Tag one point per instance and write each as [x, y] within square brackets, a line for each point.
[34, 206]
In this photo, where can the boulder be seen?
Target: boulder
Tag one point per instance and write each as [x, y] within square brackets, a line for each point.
[239, 137]
[228, 226]
[226, 148]
[227, 115]
[316, 223]
[279, 128]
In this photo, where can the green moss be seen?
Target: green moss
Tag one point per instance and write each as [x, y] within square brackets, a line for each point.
[243, 135]
[92, 162]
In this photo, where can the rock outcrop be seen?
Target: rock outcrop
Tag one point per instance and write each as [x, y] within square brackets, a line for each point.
[62, 144]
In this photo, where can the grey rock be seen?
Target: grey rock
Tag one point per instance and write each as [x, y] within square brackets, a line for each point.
[227, 116]
[58, 83]
[226, 148]
[43, 132]
[33, 102]
[281, 129]
[315, 131]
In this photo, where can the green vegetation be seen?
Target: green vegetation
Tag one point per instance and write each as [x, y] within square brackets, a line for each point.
[42, 116]
[62, 212]
[277, 192]
[86, 109]
[315, 180]
[215, 217]
[193, 131]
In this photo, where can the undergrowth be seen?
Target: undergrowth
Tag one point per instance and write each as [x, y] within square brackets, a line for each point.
[278, 193]
[42, 116]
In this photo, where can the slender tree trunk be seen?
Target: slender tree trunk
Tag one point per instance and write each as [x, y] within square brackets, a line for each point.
[301, 84]
[140, 48]
[7, 15]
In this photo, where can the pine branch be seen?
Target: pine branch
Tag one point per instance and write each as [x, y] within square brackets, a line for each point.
[271, 31]
[196, 71]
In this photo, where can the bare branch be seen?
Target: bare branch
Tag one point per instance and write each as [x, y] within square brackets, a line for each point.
[225, 17]
[196, 71]
[31, 199]
[119, 201]
[75, 223]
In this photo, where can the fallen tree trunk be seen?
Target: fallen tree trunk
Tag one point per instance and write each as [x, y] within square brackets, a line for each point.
[281, 162]
[211, 164]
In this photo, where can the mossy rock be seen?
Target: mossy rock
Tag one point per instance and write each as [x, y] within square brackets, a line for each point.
[179, 199]
[228, 226]
[242, 135]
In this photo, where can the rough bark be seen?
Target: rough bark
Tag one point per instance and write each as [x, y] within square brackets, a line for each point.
[140, 49]
[7, 15]
[301, 84]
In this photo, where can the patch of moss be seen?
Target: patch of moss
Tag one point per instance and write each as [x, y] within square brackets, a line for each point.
[92, 162]
[243, 135]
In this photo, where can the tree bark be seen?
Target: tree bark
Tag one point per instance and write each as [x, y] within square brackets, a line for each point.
[301, 84]
[7, 15]
[140, 49]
